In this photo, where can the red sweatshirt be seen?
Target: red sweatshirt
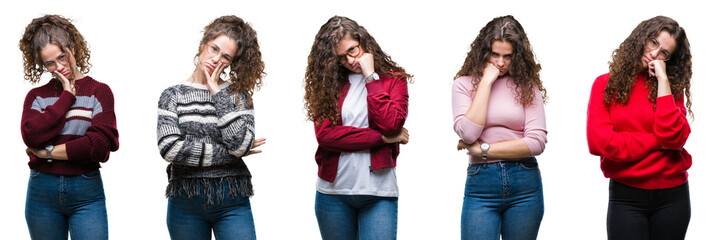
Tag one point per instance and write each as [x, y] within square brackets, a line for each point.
[630, 138]
[85, 123]
[387, 110]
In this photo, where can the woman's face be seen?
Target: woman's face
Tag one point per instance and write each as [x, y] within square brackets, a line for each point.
[221, 49]
[501, 56]
[54, 59]
[660, 47]
[347, 52]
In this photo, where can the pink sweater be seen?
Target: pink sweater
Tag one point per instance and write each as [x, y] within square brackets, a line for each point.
[506, 119]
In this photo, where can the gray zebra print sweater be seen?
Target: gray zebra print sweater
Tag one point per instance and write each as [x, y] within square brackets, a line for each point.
[204, 137]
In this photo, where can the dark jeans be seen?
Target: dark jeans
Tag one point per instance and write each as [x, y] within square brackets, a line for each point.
[635, 213]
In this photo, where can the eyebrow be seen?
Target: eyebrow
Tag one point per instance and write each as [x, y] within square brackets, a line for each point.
[218, 47]
[508, 54]
[348, 50]
[55, 58]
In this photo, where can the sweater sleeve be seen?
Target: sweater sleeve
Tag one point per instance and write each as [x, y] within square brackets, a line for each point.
[101, 136]
[346, 138]
[604, 140]
[236, 123]
[468, 131]
[39, 126]
[175, 147]
[535, 125]
[388, 108]
[671, 126]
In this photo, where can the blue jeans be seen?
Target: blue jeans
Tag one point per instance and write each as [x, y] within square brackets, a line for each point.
[58, 205]
[502, 198]
[193, 219]
[344, 217]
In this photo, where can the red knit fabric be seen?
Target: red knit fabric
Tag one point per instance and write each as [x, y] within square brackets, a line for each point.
[640, 144]
[50, 125]
[387, 110]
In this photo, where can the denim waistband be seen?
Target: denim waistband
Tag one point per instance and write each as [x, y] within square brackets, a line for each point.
[34, 172]
[520, 161]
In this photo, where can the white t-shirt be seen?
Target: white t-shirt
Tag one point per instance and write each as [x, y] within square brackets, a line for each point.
[354, 175]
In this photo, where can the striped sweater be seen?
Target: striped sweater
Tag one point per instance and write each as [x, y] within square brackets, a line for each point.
[204, 137]
[85, 123]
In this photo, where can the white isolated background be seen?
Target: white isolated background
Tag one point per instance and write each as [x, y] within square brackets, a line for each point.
[141, 47]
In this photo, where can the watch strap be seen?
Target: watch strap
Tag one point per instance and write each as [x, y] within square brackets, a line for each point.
[373, 76]
[49, 149]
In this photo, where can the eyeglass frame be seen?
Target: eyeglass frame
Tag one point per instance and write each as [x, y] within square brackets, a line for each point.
[341, 59]
[61, 59]
[653, 44]
[219, 51]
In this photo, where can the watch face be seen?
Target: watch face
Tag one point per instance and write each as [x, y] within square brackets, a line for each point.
[485, 146]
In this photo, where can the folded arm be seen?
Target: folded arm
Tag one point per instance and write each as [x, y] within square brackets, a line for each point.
[388, 105]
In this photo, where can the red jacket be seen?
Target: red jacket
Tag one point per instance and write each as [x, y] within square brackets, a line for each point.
[387, 109]
[630, 138]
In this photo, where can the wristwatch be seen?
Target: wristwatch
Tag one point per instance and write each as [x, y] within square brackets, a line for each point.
[373, 76]
[49, 152]
[485, 147]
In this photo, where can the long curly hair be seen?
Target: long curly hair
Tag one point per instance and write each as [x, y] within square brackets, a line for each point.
[246, 69]
[324, 76]
[51, 29]
[626, 63]
[524, 69]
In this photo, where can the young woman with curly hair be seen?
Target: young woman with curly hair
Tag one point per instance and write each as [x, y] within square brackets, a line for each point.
[637, 124]
[357, 98]
[69, 127]
[497, 104]
[205, 128]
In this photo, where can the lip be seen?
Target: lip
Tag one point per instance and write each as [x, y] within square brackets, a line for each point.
[647, 59]
[355, 66]
[210, 66]
[66, 74]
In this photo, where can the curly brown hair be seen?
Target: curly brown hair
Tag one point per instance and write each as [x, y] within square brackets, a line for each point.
[51, 29]
[246, 68]
[625, 64]
[524, 69]
[324, 76]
